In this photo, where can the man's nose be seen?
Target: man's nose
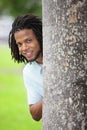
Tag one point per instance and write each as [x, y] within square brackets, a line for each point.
[24, 47]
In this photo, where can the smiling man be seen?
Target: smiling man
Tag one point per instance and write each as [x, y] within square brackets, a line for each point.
[25, 42]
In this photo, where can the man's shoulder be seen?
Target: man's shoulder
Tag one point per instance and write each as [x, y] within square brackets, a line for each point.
[28, 66]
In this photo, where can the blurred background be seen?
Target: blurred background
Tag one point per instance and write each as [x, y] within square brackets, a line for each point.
[14, 114]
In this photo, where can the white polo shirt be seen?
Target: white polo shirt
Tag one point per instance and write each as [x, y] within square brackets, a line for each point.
[33, 80]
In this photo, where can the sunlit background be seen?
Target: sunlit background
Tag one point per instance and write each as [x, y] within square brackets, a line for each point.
[14, 114]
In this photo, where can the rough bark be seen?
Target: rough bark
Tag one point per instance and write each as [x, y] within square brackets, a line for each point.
[65, 64]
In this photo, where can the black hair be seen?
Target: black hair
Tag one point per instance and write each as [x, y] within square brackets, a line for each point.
[27, 21]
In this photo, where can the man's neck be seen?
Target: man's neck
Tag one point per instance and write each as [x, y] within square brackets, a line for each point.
[40, 59]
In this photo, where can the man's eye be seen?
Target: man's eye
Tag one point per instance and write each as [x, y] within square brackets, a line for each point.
[29, 40]
[19, 44]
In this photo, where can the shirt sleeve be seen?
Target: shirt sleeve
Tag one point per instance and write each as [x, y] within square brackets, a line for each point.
[33, 96]
[32, 92]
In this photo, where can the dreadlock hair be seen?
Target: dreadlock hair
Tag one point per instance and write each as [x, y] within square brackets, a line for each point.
[27, 21]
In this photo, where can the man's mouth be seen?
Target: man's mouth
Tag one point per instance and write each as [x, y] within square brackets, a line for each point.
[28, 54]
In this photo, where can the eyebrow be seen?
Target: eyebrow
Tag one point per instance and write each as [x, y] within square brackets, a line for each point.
[25, 39]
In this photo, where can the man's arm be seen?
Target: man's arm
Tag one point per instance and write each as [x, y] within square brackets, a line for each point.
[36, 110]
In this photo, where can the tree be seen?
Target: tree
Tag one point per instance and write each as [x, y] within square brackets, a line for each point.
[65, 64]
[17, 7]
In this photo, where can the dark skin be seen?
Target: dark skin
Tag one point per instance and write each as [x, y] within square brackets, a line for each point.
[29, 47]
[36, 110]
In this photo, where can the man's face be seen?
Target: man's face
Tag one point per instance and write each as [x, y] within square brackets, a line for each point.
[28, 45]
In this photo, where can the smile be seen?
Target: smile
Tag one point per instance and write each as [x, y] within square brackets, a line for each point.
[28, 54]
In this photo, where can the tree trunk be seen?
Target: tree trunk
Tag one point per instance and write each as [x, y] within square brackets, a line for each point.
[65, 64]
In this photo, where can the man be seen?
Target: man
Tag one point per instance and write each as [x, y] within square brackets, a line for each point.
[25, 42]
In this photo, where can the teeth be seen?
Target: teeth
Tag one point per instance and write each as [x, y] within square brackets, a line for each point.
[28, 53]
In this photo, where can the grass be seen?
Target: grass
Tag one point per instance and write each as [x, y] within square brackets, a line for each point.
[14, 114]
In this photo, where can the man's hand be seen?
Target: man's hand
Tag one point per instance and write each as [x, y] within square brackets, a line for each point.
[36, 110]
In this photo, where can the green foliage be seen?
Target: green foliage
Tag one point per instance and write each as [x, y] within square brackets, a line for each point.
[18, 7]
[14, 114]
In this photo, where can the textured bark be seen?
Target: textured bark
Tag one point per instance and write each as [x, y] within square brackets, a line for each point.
[65, 64]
